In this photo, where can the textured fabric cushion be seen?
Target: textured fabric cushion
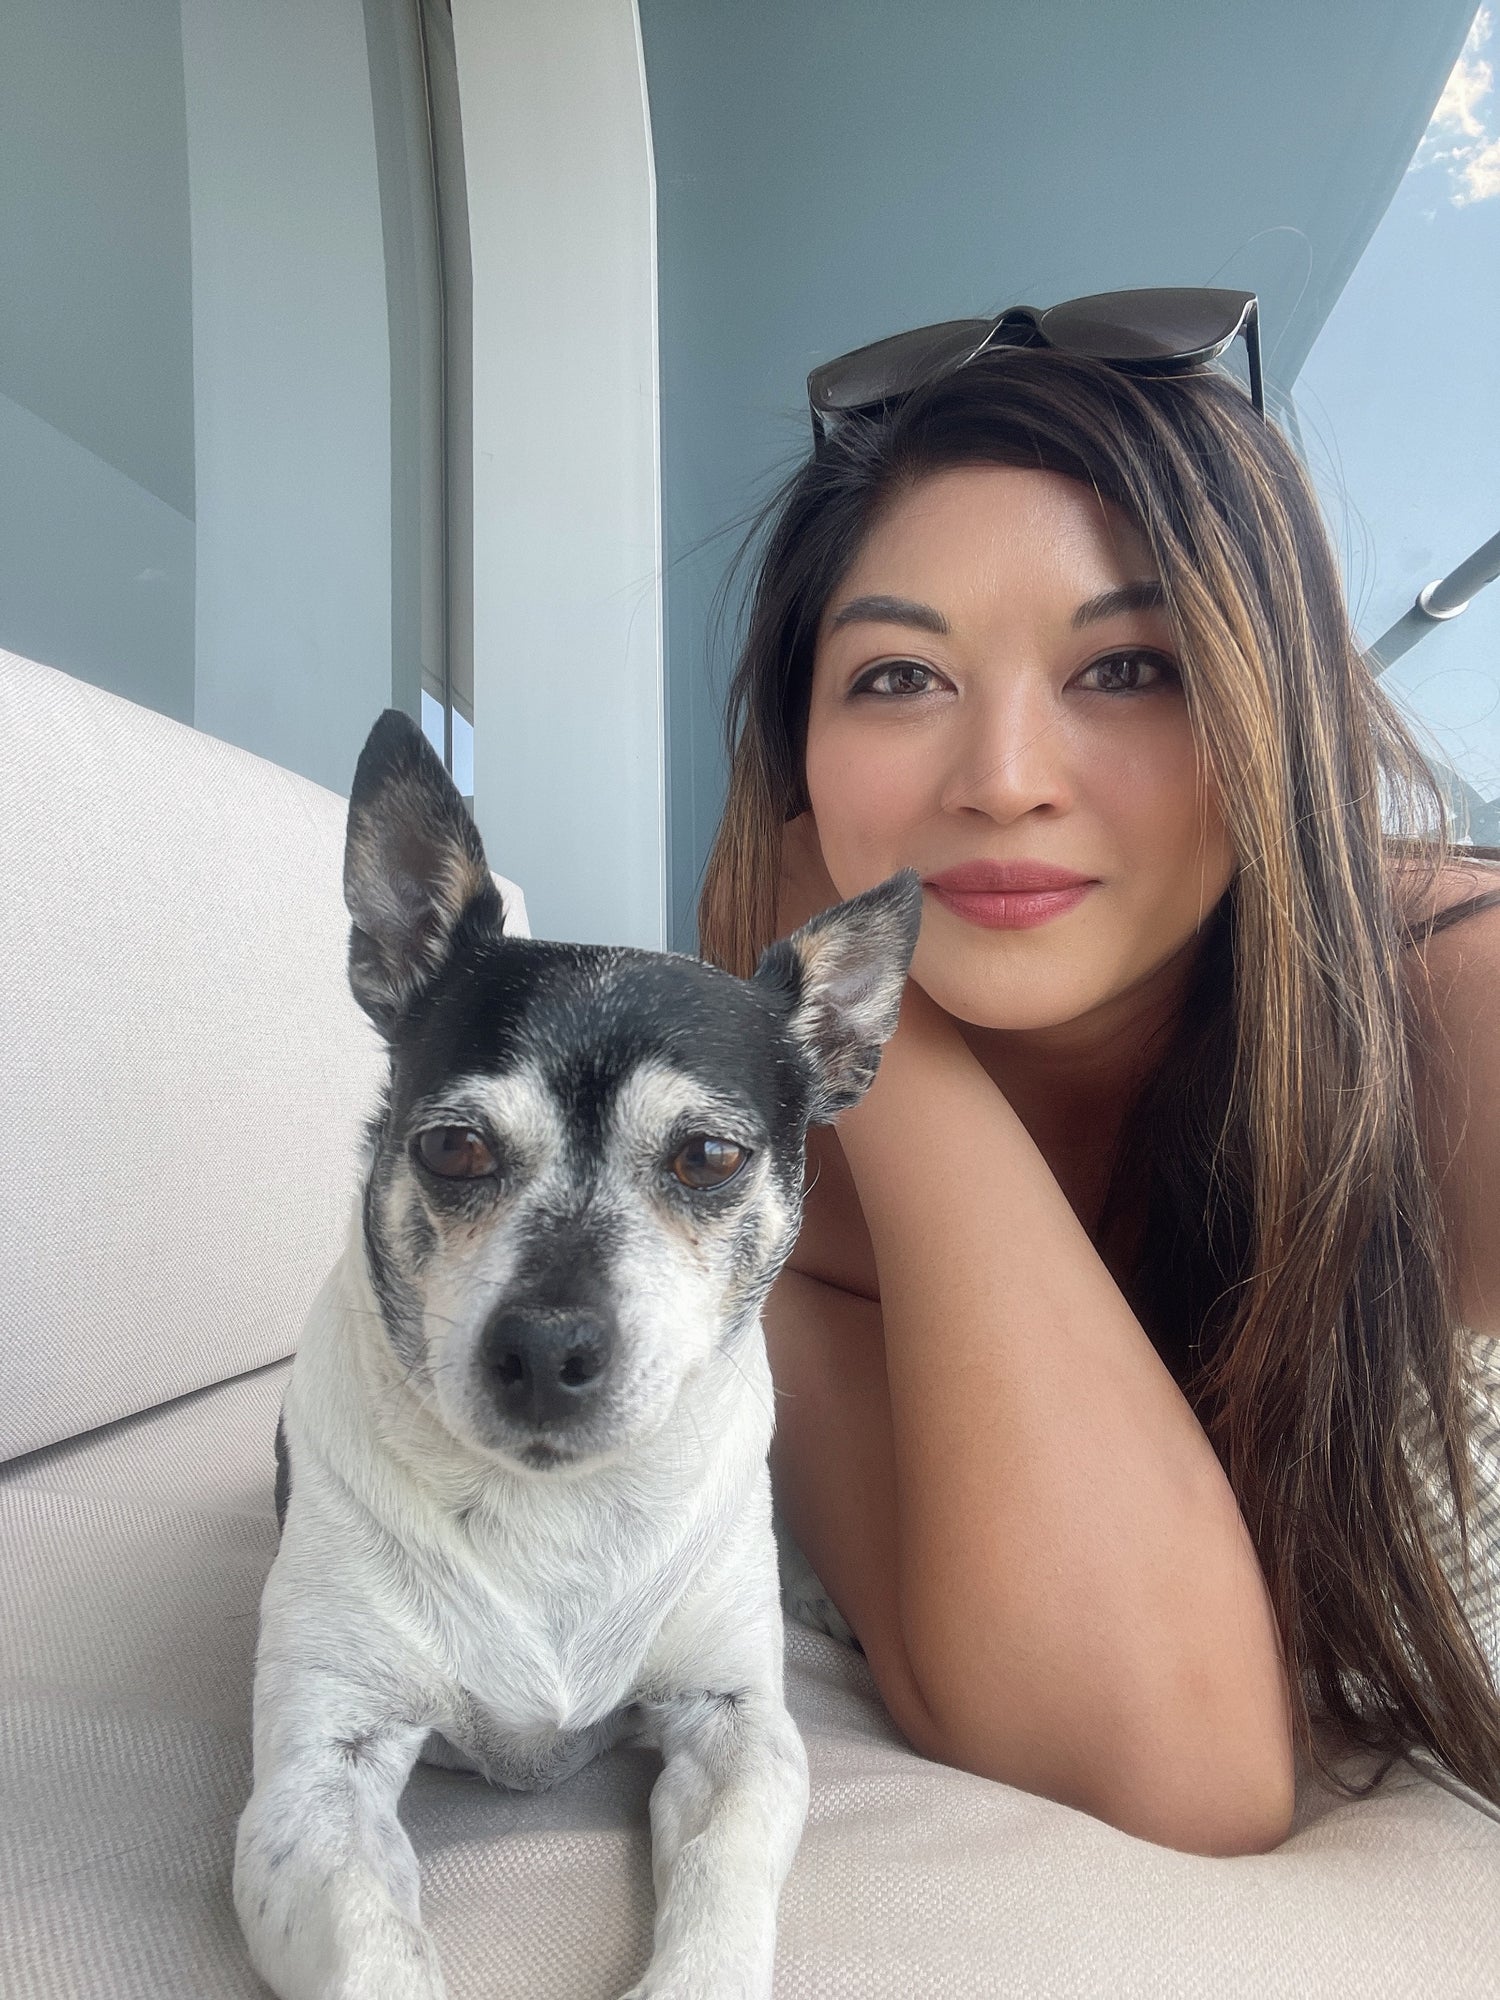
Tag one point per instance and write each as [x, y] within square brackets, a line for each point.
[127, 1633]
[184, 1073]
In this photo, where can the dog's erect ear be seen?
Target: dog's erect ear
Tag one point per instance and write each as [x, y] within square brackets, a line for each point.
[846, 971]
[413, 865]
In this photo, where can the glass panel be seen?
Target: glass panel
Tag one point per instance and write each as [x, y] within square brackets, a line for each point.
[463, 741]
[96, 347]
[222, 362]
[1399, 407]
[432, 722]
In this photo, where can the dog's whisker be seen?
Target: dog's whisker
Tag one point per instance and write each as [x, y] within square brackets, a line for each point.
[417, 1366]
[743, 1376]
[367, 1312]
[702, 1448]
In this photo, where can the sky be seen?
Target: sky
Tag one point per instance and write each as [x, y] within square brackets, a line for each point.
[1399, 408]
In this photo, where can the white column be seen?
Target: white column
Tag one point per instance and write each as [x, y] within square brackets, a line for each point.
[569, 752]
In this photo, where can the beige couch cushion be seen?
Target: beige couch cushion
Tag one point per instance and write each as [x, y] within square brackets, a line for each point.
[127, 1632]
[185, 1074]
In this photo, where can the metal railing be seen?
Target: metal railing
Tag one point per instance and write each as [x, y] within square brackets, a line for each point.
[1437, 603]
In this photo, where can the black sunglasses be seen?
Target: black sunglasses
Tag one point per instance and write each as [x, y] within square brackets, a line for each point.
[1162, 332]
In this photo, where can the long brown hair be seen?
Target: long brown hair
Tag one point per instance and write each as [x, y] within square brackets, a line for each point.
[1294, 1273]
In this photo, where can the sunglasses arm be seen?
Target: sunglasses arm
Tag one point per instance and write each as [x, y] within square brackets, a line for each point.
[1252, 351]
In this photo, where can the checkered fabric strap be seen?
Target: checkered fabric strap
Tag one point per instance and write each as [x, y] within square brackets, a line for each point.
[1481, 1598]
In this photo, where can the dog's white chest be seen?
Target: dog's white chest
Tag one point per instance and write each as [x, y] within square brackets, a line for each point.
[536, 1659]
[526, 1687]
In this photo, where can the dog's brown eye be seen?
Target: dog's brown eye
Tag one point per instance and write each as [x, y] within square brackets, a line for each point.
[705, 1162]
[456, 1153]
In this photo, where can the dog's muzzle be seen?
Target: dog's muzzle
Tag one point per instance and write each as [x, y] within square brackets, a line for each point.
[546, 1366]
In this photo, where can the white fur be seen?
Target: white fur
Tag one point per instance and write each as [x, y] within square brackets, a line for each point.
[610, 1602]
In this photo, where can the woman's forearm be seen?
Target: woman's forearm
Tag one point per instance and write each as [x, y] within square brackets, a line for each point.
[1080, 1601]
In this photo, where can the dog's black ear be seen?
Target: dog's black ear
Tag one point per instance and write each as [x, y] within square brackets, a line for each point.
[845, 972]
[413, 866]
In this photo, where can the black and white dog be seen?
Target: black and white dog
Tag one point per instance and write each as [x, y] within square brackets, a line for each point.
[522, 1464]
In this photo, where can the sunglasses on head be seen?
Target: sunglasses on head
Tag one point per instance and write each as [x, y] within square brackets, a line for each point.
[1161, 332]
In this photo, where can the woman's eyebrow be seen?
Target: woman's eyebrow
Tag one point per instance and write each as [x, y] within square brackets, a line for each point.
[1147, 595]
[889, 611]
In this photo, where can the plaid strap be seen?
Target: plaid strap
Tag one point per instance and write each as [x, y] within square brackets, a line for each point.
[1480, 1594]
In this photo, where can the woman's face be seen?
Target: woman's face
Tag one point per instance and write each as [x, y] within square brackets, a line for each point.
[994, 681]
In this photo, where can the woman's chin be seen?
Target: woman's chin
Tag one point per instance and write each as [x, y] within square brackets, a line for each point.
[1000, 1013]
[1043, 990]
[1125, 994]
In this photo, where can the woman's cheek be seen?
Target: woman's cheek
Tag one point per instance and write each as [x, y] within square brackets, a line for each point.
[865, 811]
[1194, 850]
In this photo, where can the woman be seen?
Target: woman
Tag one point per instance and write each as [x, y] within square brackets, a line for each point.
[1138, 1389]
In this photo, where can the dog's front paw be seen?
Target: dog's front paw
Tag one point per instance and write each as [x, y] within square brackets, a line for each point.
[679, 1989]
[414, 1978]
[353, 1945]
[717, 1983]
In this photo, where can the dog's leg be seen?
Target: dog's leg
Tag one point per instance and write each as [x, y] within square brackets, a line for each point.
[726, 1815]
[325, 1879]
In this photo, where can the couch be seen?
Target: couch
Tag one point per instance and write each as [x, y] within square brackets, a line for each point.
[184, 1075]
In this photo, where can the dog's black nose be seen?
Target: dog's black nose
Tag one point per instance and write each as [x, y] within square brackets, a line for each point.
[546, 1367]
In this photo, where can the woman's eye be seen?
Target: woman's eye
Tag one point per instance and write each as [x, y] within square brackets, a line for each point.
[898, 668]
[456, 1153]
[706, 1162]
[1130, 673]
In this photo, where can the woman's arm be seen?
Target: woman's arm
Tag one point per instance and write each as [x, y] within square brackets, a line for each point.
[1066, 1596]
[1079, 1599]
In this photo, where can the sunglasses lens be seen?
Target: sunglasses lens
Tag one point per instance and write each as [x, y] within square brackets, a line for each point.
[1169, 325]
[895, 367]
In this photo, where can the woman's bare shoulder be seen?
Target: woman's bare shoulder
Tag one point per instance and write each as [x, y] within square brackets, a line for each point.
[834, 1243]
[1454, 970]
[1456, 973]
[1420, 897]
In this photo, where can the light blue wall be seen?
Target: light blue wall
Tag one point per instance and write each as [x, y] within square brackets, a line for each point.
[830, 173]
[291, 360]
[96, 347]
[195, 388]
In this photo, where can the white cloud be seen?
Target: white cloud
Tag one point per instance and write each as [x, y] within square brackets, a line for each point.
[1458, 136]
[1481, 175]
[1471, 80]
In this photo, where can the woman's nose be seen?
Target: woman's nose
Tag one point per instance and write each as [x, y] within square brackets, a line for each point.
[1011, 756]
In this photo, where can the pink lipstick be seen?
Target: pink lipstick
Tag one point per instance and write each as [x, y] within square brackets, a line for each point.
[1009, 895]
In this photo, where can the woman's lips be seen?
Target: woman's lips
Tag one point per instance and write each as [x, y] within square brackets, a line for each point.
[1011, 910]
[1013, 895]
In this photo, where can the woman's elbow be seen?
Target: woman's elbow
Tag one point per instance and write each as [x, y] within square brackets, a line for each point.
[1220, 1804]
[1214, 1772]
[1189, 1763]
[1232, 1815]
